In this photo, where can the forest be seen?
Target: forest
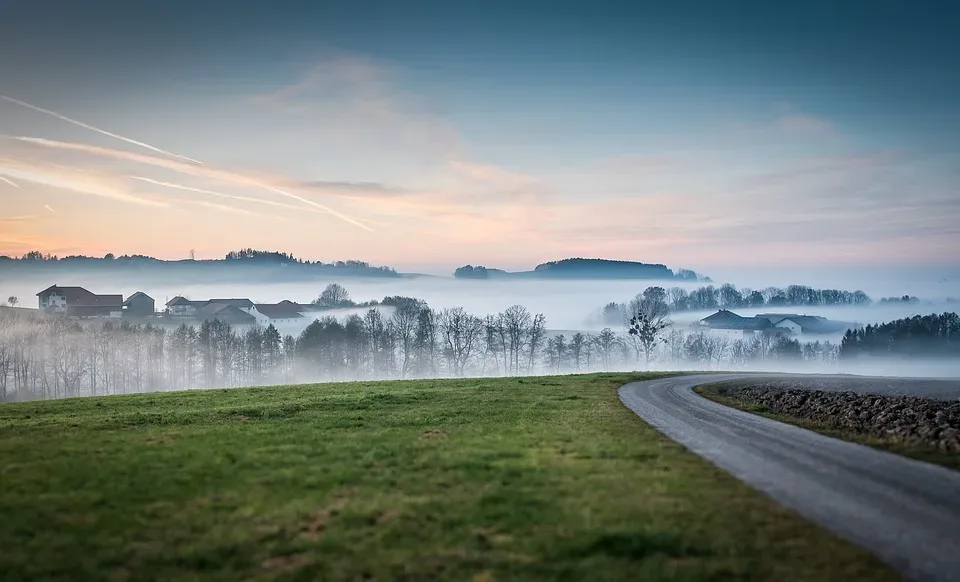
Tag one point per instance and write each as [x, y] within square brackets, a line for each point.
[727, 296]
[55, 357]
[928, 336]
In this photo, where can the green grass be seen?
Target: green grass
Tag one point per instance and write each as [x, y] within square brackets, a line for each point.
[494, 479]
[913, 450]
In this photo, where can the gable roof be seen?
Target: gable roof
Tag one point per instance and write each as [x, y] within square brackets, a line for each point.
[181, 300]
[724, 319]
[242, 303]
[137, 295]
[282, 310]
[78, 296]
[224, 312]
[70, 293]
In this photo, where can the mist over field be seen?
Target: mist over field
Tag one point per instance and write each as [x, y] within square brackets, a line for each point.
[403, 326]
[567, 304]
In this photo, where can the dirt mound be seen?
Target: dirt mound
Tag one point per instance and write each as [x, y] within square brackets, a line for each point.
[934, 423]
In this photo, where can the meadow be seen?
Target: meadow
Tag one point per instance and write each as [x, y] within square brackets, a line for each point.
[471, 479]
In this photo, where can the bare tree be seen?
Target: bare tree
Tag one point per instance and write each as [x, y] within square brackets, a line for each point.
[334, 295]
[648, 320]
[462, 333]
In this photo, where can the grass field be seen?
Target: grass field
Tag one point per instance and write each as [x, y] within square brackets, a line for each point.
[494, 479]
[913, 450]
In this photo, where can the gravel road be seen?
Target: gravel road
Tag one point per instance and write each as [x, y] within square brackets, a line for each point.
[905, 511]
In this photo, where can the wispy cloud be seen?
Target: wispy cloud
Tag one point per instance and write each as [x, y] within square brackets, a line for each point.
[84, 183]
[223, 195]
[235, 178]
[96, 129]
[49, 208]
[10, 182]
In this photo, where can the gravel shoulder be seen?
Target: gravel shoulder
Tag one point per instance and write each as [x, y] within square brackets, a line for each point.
[922, 428]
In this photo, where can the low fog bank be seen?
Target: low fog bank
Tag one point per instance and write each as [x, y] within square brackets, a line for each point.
[44, 357]
[568, 304]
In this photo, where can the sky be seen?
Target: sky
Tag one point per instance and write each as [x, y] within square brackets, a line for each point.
[429, 134]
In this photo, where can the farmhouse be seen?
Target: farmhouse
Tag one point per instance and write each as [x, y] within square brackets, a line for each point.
[776, 323]
[180, 306]
[79, 302]
[225, 313]
[285, 313]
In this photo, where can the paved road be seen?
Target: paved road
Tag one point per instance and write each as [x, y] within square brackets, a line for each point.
[905, 511]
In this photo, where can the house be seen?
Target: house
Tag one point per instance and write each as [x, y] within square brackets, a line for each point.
[180, 306]
[806, 324]
[777, 323]
[139, 305]
[733, 324]
[225, 313]
[285, 314]
[79, 302]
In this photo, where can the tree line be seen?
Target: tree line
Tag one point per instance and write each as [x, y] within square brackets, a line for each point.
[55, 357]
[727, 296]
[921, 336]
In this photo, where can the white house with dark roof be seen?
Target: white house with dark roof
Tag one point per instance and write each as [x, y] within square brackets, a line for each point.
[778, 323]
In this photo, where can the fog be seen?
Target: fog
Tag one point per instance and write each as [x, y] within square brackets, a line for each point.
[461, 328]
[567, 304]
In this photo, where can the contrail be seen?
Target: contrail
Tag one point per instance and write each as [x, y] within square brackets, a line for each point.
[97, 129]
[220, 194]
[190, 169]
[9, 181]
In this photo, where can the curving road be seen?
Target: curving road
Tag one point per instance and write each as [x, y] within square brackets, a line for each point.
[905, 511]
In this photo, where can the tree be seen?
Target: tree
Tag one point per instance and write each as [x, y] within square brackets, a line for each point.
[13, 300]
[730, 297]
[462, 334]
[648, 320]
[334, 295]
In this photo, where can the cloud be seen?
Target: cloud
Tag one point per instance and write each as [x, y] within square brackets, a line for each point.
[10, 182]
[361, 101]
[83, 183]
[222, 195]
[222, 207]
[23, 218]
[801, 123]
[96, 129]
[235, 178]
[49, 208]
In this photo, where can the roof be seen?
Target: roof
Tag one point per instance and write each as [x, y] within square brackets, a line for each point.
[724, 319]
[98, 301]
[224, 312]
[808, 323]
[180, 300]
[282, 310]
[243, 303]
[77, 296]
[70, 293]
[137, 295]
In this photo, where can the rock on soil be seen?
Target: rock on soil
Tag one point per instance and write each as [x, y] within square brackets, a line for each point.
[906, 419]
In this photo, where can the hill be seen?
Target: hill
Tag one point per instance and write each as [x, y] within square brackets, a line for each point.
[482, 479]
[237, 265]
[579, 268]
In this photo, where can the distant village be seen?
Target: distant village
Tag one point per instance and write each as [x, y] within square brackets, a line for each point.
[292, 317]
[80, 303]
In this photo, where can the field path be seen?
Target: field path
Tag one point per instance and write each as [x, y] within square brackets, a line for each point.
[907, 512]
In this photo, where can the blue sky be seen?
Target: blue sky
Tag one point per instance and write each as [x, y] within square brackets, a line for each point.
[502, 133]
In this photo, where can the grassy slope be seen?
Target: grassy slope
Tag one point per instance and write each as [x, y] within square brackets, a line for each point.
[545, 478]
[913, 450]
